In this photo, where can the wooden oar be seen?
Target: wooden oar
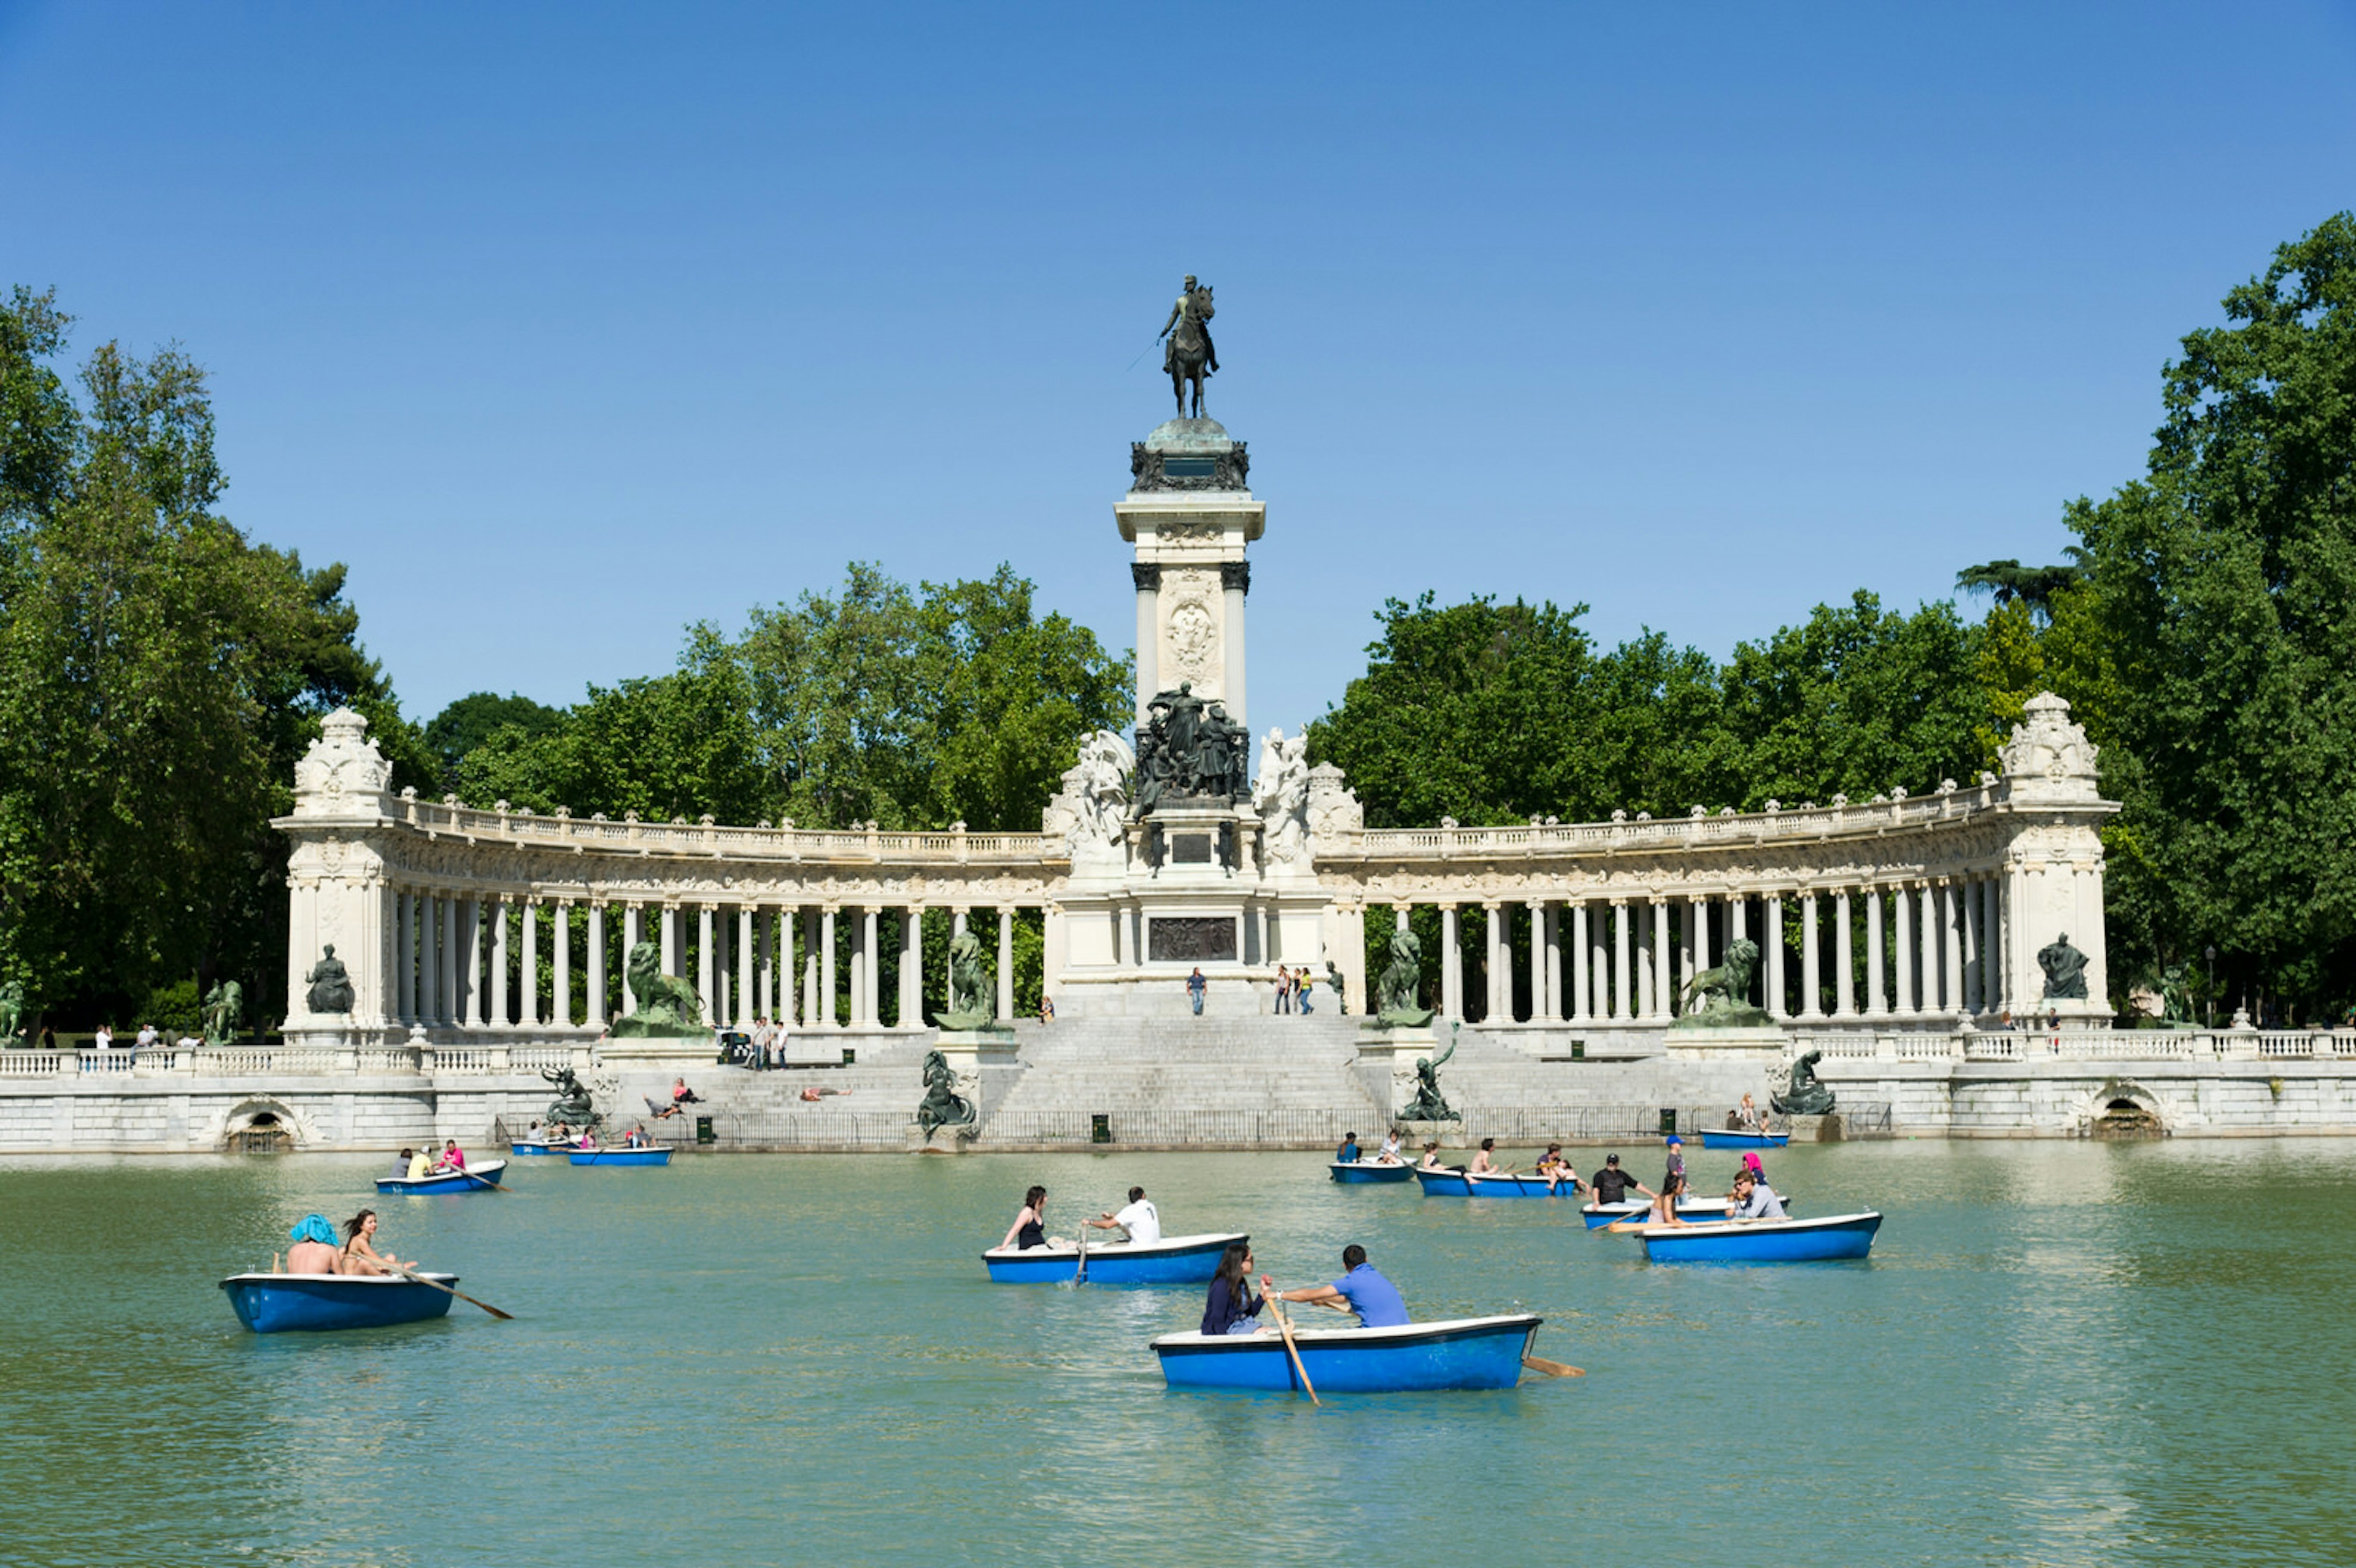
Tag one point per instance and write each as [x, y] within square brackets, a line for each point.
[1552, 1368]
[1081, 1277]
[484, 1180]
[1284, 1326]
[410, 1273]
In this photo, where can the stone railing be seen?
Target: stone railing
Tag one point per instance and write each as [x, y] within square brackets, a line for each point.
[2082, 1045]
[292, 1061]
[708, 840]
[1725, 830]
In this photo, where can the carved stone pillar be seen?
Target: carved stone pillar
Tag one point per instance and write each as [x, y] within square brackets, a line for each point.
[703, 960]
[1582, 964]
[1148, 576]
[1844, 959]
[1641, 998]
[1811, 985]
[1540, 1007]
[528, 973]
[1927, 939]
[593, 975]
[470, 972]
[1619, 959]
[1902, 904]
[1005, 964]
[1770, 955]
[912, 966]
[1664, 972]
[826, 1009]
[404, 963]
[1876, 991]
[1451, 965]
[746, 950]
[634, 931]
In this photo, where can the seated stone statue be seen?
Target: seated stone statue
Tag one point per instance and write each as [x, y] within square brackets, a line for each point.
[331, 985]
[942, 1106]
[1805, 1096]
[2065, 970]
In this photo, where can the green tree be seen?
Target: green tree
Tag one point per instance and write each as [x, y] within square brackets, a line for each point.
[472, 720]
[2220, 607]
[158, 676]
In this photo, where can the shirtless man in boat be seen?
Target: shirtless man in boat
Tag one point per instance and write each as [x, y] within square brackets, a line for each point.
[314, 1250]
[1484, 1166]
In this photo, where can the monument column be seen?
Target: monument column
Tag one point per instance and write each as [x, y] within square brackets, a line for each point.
[633, 933]
[1190, 516]
[746, 950]
[1811, 987]
[1876, 993]
[1901, 950]
[1235, 583]
[1620, 1009]
[1844, 959]
[404, 982]
[527, 986]
[912, 966]
[1927, 940]
[703, 960]
[595, 969]
[1451, 965]
[1770, 952]
[1147, 574]
[1582, 965]
[1665, 980]
[470, 982]
[1541, 1004]
[1005, 964]
[826, 1013]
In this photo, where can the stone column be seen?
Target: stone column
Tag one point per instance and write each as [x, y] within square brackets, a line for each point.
[746, 948]
[764, 979]
[1492, 946]
[1618, 958]
[1541, 1006]
[912, 966]
[594, 976]
[1811, 985]
[668, 919]
[826, 1013]
[855, 982]
[1992, 995]
[1582, 965]
[1877, 995]
[1951, 934]
[1607, 1003]
[703, 960]
[1557, 1009]
[1966, 895]
[870, 958]
[404, 983]
[470, 972]
[1665, 980]
[1235, 582]
[1927, 940]
[1844, 959]
[1738, 920]
[1771, 953]
[1006, 947]
[495, 977]
[1646, 941]
[559, 972]
[528, 982]
[1901, 950]
[1696, 938]
[816, 929]
[429, 960]
[724, 997]
[1451, 965]
[633, 933]
[1148, 577]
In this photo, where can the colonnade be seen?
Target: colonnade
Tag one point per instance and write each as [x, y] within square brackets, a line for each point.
[1933, 947]
[812, 966]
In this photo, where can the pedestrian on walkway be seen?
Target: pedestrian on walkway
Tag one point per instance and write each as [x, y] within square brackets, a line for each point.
[1195, 985]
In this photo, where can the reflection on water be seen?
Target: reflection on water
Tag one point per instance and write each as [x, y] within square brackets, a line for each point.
[2060, 1353]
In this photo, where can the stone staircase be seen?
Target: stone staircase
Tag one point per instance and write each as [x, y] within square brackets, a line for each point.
[1207, 1065]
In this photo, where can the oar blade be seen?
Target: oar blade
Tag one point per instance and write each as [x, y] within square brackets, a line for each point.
[1553, 1369]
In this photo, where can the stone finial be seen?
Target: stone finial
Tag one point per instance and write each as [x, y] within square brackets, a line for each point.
[1333, 809]
[1641, 817]
[342, 773]
[1775, 807]
[1619, 814]
[1447, 822]
[1946, 786]
[2048, 758]
[1841, 802]
[1698, 811]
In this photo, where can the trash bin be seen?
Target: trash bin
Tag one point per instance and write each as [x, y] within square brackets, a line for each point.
[849, 1057]
[1100, 1128]
[703, 1132]
[1668, 1120]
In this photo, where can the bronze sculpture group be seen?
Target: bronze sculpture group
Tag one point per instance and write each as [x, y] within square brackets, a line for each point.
[1190, 752]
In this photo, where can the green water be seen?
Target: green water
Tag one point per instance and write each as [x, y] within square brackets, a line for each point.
[2059, 1353]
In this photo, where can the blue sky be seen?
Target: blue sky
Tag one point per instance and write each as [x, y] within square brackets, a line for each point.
[567, 325]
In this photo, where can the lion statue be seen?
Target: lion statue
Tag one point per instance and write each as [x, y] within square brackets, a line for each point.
[971, 1007]
[1399, 989]
[667, 1008]
[1728, 986]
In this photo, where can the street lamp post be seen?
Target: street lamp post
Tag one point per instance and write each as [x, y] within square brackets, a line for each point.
[2209, 953]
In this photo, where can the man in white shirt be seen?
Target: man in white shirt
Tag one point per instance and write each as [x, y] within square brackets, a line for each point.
[1141, 1219]
[103, 1039]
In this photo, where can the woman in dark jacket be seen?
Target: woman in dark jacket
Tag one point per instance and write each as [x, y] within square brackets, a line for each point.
[1232, 1307]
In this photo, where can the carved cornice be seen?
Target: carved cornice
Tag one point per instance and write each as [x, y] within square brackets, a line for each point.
[1152, 470]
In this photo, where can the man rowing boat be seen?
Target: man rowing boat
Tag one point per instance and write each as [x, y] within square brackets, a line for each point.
[1375, 1299]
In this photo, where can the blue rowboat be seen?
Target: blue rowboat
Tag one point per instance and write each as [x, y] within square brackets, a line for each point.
[525, 1147]
[1730, 1138]
[1693, 1211]
[274, 1303]
[1461, 1352]
[446, 1180]
[620, 1157]
[1762, 1241]
[1444, 1182]
[1519, 1185]
[1362, 1170]
[1173, 1260]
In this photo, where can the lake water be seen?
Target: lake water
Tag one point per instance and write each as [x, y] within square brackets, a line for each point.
[2059, 1353]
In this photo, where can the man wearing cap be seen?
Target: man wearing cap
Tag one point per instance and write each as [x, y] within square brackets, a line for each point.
[1611, 1183]
[1677, 1171]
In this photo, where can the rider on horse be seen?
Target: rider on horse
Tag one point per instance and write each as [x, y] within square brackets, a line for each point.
[1194, 306]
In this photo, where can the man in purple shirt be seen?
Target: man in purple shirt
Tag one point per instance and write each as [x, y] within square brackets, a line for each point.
[1375, 1299]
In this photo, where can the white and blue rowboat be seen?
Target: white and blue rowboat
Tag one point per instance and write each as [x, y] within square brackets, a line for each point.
[620, 1157]
[1173, 1260]
[1522, 1185]
[1693, 1211]
[1832, 1238]
[1445, 1182]
[1729, 1137]
[275, 1302]
[474, 1178]
[534, 1147]
[1362, 1170]
[1461, 1352]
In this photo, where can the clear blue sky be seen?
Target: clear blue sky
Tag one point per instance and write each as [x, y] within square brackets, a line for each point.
[566, 325]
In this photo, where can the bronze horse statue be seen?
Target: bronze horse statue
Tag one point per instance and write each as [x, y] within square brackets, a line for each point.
[1190, 357]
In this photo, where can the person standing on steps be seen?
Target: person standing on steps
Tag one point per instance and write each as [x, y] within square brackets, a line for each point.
[1196, 986]
[1284, 989]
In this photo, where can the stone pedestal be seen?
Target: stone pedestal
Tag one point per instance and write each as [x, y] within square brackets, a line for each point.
[971, 1049]
[1415, 1134]
[1190, 517]
[1765, 1042]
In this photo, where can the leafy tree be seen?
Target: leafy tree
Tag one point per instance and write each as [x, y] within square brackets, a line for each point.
[2218, 613]
[469, 722]
[2033, 586]
[158, 677]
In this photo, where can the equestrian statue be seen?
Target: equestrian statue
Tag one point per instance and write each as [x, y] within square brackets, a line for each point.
[1190, 357]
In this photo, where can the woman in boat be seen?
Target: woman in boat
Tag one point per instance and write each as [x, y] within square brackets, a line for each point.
[360, 1256]
[1030, 1229]
[1431, 1160]
[1664, 1202]
[1390, 1154]
[1555, 1166]
[314, 1250]
[1484, 1166]
[1231, 1307]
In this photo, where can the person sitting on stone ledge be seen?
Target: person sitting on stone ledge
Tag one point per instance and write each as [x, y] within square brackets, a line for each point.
[682, 1097]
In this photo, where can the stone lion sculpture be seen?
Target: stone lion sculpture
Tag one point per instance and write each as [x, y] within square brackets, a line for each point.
[1399, 989]
[667, 1008]
[971, 1004]
[1728, 986]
